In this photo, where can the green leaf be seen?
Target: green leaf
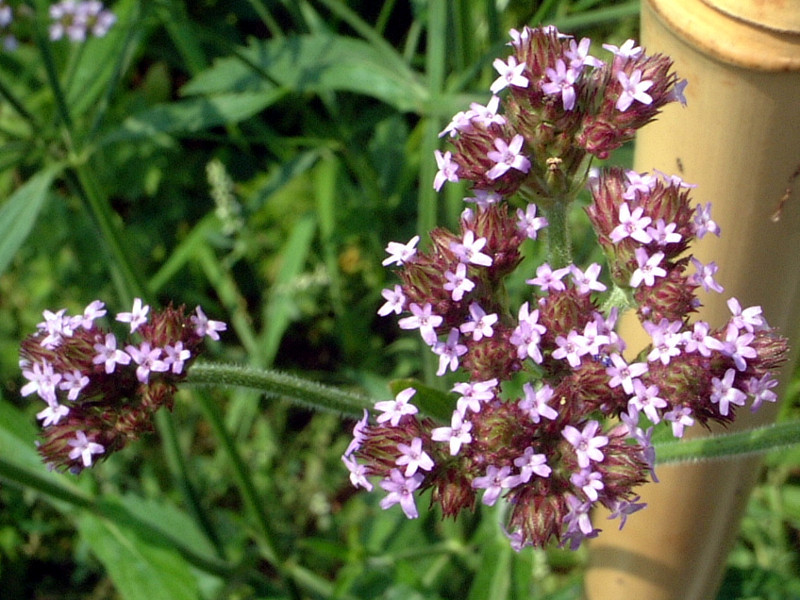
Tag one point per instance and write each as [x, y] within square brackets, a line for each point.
[21, 464]
[18, 215]
[141, 568]
[313, 63]
[192, 115]
[430, 401]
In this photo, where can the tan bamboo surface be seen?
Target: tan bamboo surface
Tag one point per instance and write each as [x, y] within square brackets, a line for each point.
[739, 141]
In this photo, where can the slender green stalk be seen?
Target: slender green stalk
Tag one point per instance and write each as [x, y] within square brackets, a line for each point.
[308, 393]
[55, 84]
[559, 247]
[729, 445]
[109, 232]
[12, 99]
[245, 483]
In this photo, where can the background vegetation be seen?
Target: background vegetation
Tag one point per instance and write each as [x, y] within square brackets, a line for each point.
[255, 157]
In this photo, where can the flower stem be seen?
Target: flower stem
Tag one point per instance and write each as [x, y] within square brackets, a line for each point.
[307, 393]
[559, 248]
[753, 441]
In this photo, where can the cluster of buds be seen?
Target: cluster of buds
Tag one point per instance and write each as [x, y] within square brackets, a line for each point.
[553, 414]
[77, 20]
[102, 392]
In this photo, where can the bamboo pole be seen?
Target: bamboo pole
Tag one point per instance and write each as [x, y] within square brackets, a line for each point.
[739, 141]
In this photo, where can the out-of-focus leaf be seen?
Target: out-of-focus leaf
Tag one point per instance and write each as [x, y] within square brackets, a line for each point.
[142, 568]
[18, 215]
[314, 63]
[192, 115]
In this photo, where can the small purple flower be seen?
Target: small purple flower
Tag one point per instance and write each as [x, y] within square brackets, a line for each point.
[469, 250]
[529, 223]
[147, 359]
[203, 326]
[531, 462]
[586, 282]
[413, 457]
[137, 316]
[457, 283]
[705, 276]
[72, 383]
[590, 482]
[761, 390]
[175, 356]
[400, 253]
[358, 434]
[633, 88]
[547, 279]
[631, 224]
[703, 223]
[401, 491]
[358, 473]
[571, 348]
[510, 74]
[43, 380]
[109, 355]
[449, 352]
[457, 434]
[83, 448]
[646, 400]
[492, 482]
[448, 170]
[395, 301]
[561, 80]
[422, 318]
[473, 394]
[52, 414]
[507, 156]
[394, 410]
[724, 394]
[480, 325]
[624, 374]
[587, 445]
[534, 404]
[648, 269]
[680, 418]
[629, 49]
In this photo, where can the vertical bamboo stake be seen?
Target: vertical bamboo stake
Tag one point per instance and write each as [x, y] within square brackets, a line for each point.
[739, 141]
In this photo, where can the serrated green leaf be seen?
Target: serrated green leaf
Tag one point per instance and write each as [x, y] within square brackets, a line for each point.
[430, 401]
[192, 115]
[314, 63]
[18, 215]
[141, 569]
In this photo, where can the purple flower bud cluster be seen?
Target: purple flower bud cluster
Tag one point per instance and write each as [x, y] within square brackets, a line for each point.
[552, 412]
[77, 20]
[101, 391]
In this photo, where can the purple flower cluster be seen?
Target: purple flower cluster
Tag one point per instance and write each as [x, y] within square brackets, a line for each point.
[77, 20]
[550, 413]
[101, 392]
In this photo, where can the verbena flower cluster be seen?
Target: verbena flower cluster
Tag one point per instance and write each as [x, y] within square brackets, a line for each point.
[70, 19]
[102, 391]
[77, 20]
[550, 416]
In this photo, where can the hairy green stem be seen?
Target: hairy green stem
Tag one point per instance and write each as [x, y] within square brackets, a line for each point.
[559, 247]
[729, 445]
[307, 393]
